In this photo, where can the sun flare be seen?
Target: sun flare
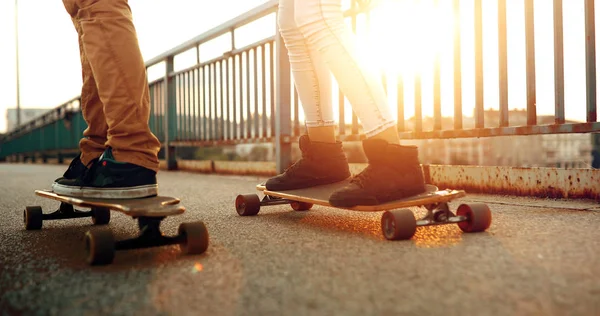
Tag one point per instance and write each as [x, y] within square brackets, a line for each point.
[403, 37]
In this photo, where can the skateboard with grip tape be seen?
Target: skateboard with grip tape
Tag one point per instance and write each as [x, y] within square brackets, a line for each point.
[397, 222]
[101, 245]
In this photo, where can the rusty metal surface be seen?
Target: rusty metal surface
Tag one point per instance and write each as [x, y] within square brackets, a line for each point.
[506, 131]
[261, 168]
[538, 182]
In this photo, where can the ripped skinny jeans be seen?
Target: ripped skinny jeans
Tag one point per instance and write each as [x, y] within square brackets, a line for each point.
[319, 45]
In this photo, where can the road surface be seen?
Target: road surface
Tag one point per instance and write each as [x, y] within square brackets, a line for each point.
[539, 257]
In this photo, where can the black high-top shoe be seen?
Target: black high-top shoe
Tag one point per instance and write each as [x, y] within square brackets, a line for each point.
[108, 178]
[76, 168]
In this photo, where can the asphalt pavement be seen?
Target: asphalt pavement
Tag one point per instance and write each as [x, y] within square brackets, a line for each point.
[539, 257]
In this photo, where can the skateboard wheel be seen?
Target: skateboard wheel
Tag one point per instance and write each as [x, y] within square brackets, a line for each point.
[398, 224]
[479, 217]
[33, 218]
[195, 238]
[247, 205]
[100, 215]
[100, 247]
[301, 206]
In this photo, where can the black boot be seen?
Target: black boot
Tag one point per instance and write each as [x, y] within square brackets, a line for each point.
[394, 172]
[321, 163]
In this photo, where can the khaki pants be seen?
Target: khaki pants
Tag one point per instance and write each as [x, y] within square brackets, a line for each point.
[114, 96]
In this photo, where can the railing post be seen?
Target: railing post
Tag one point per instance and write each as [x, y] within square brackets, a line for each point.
[530, 63]
[283, 119]
[590, 61]
[170, 115]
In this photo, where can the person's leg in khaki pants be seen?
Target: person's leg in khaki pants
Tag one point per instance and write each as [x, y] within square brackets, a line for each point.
[115, 105]
[93, 142]
[94, 137]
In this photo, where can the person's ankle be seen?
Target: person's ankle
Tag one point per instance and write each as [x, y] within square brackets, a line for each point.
[390, 135]
[322, 134]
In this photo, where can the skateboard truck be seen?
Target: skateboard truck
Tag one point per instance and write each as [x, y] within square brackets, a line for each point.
[439, 213]
[34, 217]
[150, 236]
[250, 204]
[401, 224]
[101, 246]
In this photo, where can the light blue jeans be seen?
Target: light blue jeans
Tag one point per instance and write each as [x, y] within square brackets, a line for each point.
[320, 44]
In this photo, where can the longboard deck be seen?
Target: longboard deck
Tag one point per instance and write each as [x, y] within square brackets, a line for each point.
[319, 195]
[156, 206]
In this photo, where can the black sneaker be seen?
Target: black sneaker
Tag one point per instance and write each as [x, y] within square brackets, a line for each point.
[394, 172]
[110, 179]
[321, 163]
[76, 169]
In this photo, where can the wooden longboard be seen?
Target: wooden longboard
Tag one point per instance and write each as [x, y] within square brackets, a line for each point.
[157, 206]
[319, 195]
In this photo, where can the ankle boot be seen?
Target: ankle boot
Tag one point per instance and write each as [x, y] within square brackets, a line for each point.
[393, 172]
[321, 163]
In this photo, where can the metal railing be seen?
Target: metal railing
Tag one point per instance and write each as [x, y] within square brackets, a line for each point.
[245, 94]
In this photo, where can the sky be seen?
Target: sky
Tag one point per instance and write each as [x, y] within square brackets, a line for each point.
[50, 70]
[50, 73]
